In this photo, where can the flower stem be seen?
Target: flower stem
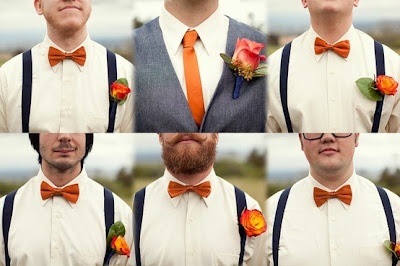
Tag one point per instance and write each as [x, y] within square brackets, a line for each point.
[238, 85]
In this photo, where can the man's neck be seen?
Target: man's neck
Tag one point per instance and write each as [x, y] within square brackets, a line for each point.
[67, 40]
[331, 29]
[60, 178]
[332, 180]
[191, 13]
[193, 178]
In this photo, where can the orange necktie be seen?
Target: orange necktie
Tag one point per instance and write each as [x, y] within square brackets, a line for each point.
[341, 48]
[70, 193]
[321, 196]
[192, 77]
[175, 189]
[56, 56]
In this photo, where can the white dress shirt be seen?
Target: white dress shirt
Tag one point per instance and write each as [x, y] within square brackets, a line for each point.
[322, 91]
[333, 234]
[57, 232]
[213, 33]
[195, 231]
[66, 97]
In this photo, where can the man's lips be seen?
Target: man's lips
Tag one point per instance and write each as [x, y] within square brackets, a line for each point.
[69, 7]
[64, 150]
[186, 139]
[328, 150]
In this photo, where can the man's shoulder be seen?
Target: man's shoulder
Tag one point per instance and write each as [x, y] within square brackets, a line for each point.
[11, 64]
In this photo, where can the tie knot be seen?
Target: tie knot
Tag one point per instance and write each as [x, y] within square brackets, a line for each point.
[189, 38]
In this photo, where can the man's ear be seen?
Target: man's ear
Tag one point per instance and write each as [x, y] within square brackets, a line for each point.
[38, 6]
[301, 141]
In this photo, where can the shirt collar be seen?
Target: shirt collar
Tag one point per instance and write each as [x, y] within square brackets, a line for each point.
[77, 180]
[173, 30]
[47, 42]
[175, 201]
[314, 183]
[311, 35]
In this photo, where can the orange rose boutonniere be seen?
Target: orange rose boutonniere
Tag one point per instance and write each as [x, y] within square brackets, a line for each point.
[119, 90]
[394, 248]
[375, 90]
[253, 222]
[116, 241]
[245, 62]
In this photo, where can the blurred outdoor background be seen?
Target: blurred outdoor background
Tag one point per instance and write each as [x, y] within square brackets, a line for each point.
[287, 19]
[377, 158]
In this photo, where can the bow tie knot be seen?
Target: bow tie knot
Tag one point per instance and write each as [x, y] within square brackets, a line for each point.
[70, 193]
[56, 56]
[175, 189]
[341, 48]
[344, 194]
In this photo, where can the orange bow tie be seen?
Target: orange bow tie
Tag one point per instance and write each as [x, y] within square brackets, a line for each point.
[341, 48]
[56, 56]
[175, 189]
[321, 196]
[70, 193]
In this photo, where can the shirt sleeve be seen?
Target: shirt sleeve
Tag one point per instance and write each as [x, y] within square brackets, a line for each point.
[274, 107]
[255, 251]
[2, 251]
[126, 70]
[123, 213]
[3, 118]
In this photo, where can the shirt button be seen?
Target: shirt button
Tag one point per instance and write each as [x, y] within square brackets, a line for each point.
[58, 215]
[333, 219]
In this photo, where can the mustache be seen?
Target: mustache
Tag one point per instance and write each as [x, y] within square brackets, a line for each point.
[180, 136]
[64, 146]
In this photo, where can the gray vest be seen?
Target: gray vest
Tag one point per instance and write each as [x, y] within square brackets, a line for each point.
[160, 104]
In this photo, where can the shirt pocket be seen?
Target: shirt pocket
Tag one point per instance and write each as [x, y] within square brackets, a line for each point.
[97, 124]
[374, 256]
[89, 259]
[226, 259]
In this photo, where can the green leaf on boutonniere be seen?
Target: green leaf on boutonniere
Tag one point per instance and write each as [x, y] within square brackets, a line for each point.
[123, 81]
[389, 245]
[228, 60]
[261, 70]
[117, 229]
[367, 87]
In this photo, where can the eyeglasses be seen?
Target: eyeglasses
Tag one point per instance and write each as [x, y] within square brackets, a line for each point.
[315, 136]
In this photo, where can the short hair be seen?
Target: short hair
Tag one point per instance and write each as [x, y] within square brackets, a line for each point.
[34, 138]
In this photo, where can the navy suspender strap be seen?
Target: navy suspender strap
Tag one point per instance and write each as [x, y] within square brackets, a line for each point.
[26, 89]
[240, 206]
[108, 219]
[7, 214]
[380, 70]
[389, 218]
[138, 213]
[276, 232]
[283, 83]
[8, 209]
[112, 76]
[138, 205]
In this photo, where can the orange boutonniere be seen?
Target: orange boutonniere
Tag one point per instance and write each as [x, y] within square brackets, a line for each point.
[375, 90]
[393, 247]
[245, 62]
[253, 222]
[119, 90]
[116, 241]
